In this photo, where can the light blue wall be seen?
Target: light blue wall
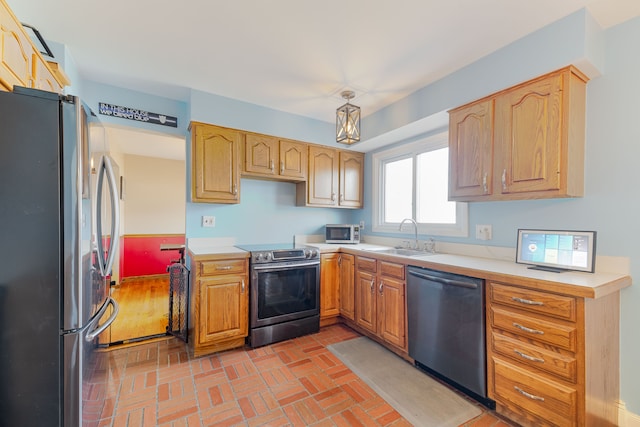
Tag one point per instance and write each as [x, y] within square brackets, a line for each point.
[561, 43]
[93, 93]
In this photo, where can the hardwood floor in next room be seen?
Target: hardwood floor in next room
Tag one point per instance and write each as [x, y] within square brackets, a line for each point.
[293, 383]
[144, 308]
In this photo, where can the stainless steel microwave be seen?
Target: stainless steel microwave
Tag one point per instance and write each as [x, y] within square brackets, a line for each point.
[342, 233]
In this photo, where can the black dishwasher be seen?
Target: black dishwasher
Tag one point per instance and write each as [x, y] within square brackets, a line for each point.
[446, 328]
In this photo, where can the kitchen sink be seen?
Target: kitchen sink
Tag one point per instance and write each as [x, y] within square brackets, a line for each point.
[400, 251]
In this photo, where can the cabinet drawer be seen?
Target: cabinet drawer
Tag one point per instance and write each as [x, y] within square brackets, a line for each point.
[539, 302]
[228, 266]
[367, 264]
[533, 328]
[535, 356]
[540, 397]
[392, 269]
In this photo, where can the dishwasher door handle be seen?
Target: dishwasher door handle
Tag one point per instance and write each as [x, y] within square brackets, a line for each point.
[442, 280]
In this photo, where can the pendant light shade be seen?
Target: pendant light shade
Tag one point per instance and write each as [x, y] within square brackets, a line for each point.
[348, 121]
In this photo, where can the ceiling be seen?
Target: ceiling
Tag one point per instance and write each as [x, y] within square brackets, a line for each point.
[292, 55]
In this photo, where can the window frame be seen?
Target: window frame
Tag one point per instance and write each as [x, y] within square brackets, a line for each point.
[411, 150]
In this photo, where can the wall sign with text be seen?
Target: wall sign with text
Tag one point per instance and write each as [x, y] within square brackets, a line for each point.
[137, 115]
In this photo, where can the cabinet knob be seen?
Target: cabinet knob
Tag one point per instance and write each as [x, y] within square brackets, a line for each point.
[371, 286]
[271, 164]
[242, 290]
[235, 189]
[281, 167]
[333, 197]
[484, 183]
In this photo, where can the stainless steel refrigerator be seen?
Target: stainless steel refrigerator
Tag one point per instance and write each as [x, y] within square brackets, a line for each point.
[56, 253]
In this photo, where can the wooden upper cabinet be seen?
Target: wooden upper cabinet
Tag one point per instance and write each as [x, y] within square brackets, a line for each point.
[351, 176]
[529, 137]
[270, 157]
[261, 154]
[43, 77]
[471, 150]
[533, 148]
[293, 159]
[215, 163]
[323, 176]
[335, 179]
[21, 64]
[16, 51]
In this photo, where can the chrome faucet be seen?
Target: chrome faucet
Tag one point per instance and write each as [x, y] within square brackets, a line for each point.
[415, 228]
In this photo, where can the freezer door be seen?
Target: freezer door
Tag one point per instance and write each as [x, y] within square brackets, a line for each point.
[82, 406]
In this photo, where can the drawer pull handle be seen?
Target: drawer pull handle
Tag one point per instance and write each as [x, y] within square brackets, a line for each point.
[529, 395]
[526, 356]
[527, 301]
[242, 291]
[524, 328]
[226, 267]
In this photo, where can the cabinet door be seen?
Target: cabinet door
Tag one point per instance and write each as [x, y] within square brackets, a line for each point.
[223, 312]
[366, 310]
[43, 78]
[347, 291]
[261, 154]
[323, 176]
[391, 303]
[329, 285]
[15, 52]
[471, 150]
[293, 159]
[216, 177]
[528, 137]
[351, 178]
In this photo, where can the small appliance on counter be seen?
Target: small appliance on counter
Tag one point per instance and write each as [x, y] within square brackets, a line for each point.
[342, 233]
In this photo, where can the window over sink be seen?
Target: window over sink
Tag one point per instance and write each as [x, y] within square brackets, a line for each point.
[411, 181]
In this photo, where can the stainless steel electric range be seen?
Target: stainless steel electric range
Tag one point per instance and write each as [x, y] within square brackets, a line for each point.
[285, 292]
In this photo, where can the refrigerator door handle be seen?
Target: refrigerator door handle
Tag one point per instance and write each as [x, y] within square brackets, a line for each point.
[115, 214]
[93, 334]
[106, 170]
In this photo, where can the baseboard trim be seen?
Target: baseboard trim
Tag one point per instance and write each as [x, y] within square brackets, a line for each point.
[626, 418]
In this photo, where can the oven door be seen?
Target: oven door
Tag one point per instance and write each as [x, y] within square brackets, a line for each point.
[281, 292]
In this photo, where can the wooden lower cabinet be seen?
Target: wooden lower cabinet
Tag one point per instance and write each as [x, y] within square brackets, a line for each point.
[380, 300]
[553, 360]
[219, 304]
[336, 288]
[347, 302]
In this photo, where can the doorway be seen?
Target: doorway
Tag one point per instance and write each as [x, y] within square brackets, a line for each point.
[152, 187]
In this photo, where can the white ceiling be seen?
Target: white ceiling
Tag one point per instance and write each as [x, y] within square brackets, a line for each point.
[292, 55]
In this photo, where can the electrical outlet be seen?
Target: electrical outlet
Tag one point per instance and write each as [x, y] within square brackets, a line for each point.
[483, 231]
[208, 221]
[361, 225]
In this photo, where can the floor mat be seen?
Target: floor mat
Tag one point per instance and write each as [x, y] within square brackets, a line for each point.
[422, 400]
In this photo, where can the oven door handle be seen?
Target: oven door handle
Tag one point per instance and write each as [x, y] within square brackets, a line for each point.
[284, 266]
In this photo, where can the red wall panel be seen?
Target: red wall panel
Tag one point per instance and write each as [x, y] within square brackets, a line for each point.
[140, 254]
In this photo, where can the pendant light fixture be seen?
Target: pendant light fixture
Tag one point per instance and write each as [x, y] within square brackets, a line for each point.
[348, 121]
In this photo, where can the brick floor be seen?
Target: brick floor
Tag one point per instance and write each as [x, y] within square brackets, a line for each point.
[293, 383]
